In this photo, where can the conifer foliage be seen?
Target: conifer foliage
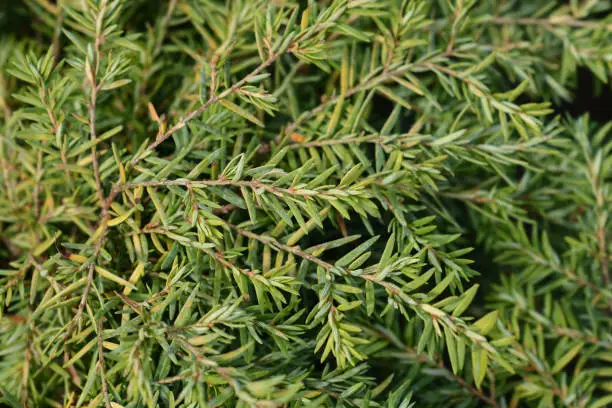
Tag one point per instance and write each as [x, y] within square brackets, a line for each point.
[322, 203]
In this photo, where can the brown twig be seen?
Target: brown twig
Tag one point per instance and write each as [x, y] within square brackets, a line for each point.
[71, 369]
[107, 402]
[6, 175]
[57, 34]
[98, 247]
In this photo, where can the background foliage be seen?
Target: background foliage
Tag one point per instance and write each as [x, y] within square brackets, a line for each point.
[343, 203]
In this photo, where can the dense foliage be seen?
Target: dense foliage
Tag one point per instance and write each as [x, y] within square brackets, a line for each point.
[343, 203]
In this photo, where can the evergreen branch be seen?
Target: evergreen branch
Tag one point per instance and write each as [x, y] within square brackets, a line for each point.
[435, 362]
[602, 216]
[565, 21]
[545, 374]
[365, 85]
[231, 90]
[213, 100]
[252, 184]
[602, 292]
[226, 373]
[454, 323]
[90, 74]
[430, 124]
[539, 319]
[295, 250]
[578, 335]
[373, 138]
